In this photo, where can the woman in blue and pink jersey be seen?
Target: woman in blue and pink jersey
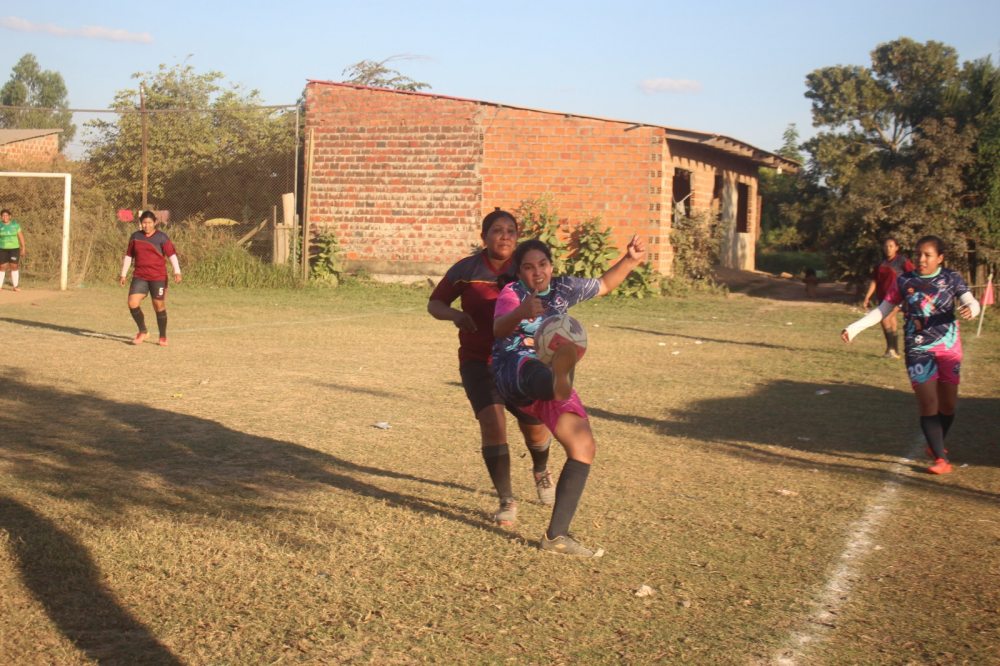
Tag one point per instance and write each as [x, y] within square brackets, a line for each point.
[547, 392]
[473, 280]
[930, 297]
[149, 248]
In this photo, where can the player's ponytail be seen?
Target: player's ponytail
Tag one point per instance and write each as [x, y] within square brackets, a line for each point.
[515, 264]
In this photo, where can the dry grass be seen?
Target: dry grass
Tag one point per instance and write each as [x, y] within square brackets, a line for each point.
[226, 500]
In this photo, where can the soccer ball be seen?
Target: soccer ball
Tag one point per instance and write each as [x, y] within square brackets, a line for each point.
[556, 331]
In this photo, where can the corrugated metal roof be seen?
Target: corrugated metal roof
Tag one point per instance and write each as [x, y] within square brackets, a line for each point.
[15, 135]
[717, 141]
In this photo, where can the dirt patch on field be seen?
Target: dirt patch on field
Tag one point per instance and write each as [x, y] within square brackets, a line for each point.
[765, 285]
[10, 297]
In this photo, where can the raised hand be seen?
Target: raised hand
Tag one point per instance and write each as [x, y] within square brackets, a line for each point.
[637, 248]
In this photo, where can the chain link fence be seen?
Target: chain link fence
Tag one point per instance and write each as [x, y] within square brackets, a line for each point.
[220, 181]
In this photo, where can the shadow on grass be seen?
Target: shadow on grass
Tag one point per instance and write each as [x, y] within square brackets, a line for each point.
[60, 573]
[850, 423]
[104, 454]
[762, 345]
[359, 389]
[82, 332]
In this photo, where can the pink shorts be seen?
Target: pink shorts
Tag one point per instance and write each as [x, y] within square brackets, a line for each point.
[549, 411]
[943, 365]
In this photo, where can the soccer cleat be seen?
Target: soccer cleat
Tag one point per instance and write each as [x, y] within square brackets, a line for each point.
[566, 545]
[138, 339]
[940, 466]
[163, 342]
[891, 354]
[543, 484]
[507, 513]
[930, 451]
[17, 289]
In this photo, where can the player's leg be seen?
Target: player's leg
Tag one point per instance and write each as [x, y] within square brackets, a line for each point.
[480, 389]
[542, 382]
[15, 273]
[949, 371]
[158, 291]
[136, 292]
[572, 430]
[924, 378]
[891, 335]
[538, 439]
[3, 270]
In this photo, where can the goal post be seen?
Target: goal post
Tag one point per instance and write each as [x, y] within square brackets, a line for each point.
[67, 190]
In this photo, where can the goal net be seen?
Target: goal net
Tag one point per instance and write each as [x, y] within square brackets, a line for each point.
[27, 203]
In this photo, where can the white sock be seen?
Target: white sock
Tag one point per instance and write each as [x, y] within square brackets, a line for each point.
[3, 277]
[13, 277]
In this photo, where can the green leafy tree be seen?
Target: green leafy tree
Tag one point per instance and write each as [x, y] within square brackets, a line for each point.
[378, 74]
[779, 192]
[30, 85]
[891, 158]
[211, 151]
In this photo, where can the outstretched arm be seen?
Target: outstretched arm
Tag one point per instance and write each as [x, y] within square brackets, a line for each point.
[884, 309]
[634, 255]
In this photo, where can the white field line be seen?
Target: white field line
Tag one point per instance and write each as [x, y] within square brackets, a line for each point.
[860, 543]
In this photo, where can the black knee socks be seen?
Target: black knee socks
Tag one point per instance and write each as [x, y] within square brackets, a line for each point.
[570, 487]
[498, 464]
[161, 323]
[934, 432]
[539, 456]
[946, 421]
[140, 320]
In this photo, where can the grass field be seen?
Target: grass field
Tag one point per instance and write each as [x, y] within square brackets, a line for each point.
[227, 500]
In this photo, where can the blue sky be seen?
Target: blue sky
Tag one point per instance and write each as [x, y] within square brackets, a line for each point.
[734, 68]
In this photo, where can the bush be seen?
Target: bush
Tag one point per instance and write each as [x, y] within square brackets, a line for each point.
[696, 239]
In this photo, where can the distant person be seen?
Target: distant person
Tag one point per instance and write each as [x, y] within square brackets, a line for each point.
[150, 249]
[810, 281]
[11, 248]
[473, 281]
[931, 296]
[883, 277]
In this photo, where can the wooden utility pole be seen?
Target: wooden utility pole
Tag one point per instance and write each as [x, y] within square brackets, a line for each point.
[145, 171]
[310, 156]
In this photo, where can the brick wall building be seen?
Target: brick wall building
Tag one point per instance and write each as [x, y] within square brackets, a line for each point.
[405, 178]
[29, 145]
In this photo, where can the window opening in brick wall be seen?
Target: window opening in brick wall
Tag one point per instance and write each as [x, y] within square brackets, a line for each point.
[742, 206]
[681, 193]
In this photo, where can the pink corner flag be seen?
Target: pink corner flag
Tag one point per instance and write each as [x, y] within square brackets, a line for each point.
[988, 294]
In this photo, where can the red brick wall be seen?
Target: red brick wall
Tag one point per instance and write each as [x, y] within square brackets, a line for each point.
[591, 167]
[32, 150]
[395, 176]
[404, 179]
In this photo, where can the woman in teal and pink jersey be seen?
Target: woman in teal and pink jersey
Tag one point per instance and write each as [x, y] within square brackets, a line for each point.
[150, 249]
[547, 392]
[930, 296]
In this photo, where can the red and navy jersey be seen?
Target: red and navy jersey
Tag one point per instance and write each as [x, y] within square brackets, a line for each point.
[150, 254]
[474, 279]
[886, 272]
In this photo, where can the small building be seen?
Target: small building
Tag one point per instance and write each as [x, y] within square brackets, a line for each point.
[405, 178]
[29, 145]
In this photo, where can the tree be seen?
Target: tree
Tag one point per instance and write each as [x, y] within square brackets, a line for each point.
[29, 85]
[780, 191]
[378, 75]
[210, 150]
[892, 158]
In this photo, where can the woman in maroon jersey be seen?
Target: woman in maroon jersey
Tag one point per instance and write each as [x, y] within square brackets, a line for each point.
[883, 277]
[474, 279]
[149, 248]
